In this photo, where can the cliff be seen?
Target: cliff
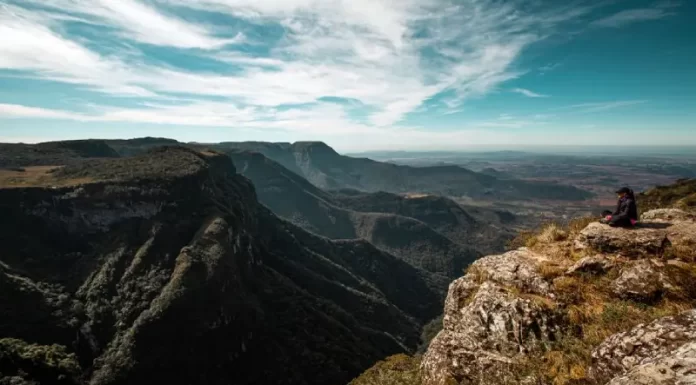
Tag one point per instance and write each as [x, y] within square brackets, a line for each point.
[164, 267]
[585, 305]
[580, 304]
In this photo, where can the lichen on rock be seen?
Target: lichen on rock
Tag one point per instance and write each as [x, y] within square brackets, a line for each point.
[652, 344]
[489, 323]
[542, 316]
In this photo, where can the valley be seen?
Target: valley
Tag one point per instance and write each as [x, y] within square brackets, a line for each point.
[305, 258]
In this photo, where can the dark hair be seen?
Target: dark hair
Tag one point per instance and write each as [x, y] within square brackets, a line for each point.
[627, 191]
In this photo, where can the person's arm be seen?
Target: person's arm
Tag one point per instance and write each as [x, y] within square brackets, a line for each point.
[622, 213]
[618, 209]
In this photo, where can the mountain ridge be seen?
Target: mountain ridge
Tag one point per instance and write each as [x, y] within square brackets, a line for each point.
[294, 198]
[110, 270]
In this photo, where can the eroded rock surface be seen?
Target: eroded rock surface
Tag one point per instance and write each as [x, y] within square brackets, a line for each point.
[646, 344]
[657, 230]
[677, 368]
[640, 280]
[667, 215]
[597, 264]
[504, 311]
[637, 242]
[488, 325]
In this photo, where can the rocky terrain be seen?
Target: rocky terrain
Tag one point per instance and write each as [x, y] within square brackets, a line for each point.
[585, 304]
[164, 267]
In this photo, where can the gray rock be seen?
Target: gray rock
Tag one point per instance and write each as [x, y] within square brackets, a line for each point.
[642, 345]
[598, 264]
[667, 215]
[634, 243]
[488, 325]
[677, 368]
[639, 281]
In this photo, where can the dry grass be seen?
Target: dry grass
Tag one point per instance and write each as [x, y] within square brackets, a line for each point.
[552, 233]
[37, 176]
[395, 370]
[592, 311]
[478, 274]
[684, 251]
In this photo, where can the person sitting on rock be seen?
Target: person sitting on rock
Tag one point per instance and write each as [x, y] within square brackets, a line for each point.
[626, 214]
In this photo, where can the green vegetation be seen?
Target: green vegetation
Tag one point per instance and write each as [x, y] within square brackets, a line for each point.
[430, 331]
[40, 364]
[680, 195]
[395, 370]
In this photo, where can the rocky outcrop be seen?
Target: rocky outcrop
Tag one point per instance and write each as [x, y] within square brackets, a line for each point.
[488, 325]
[657, 231]
[639, 242]
[643, 352]
[597, 264]
[677, 368]
[513, 309]
[667, 215]
[164, 267]
[640, 281]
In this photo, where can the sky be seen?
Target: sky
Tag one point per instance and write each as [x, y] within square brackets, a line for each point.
[359, 75]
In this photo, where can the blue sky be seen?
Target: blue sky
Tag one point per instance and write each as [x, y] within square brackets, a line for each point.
[358, 74]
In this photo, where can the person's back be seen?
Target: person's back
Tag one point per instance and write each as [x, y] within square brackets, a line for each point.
[626, 213]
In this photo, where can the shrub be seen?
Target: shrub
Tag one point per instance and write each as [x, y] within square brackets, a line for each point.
[399, 369]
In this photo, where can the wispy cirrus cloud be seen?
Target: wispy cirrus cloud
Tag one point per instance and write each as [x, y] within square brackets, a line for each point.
[528, 93]
[630, 16]
[600, 106]
[273, 61]
[129, 19]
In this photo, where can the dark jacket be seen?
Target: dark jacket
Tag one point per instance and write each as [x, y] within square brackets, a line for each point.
[626, 210]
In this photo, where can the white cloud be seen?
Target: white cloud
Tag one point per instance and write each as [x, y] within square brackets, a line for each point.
[388, 56]
[548, 68]
[630, 16]
[136, 20]
[529, 93]
[601, 106]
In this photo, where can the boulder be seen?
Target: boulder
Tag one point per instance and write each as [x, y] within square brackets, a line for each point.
[599, 264]
[647, 344]
[658, 230]
[678, 367]
[498, 312]
[667, 215]
[640, 281]
[635, 243]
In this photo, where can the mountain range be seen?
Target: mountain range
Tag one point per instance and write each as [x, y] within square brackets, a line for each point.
[164, 264]
[325, 168]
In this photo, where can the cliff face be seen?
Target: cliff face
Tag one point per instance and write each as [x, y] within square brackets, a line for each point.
[163, 267]
[295, 199]
[584, 305]
[325, 168]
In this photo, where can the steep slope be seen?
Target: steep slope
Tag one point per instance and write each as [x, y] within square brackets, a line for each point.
[486, 230]
[163, 267]
[327, 169]
[581, 304]
[679, 195]
[292, 197]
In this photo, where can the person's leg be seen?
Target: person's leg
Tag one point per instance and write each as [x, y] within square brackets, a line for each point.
[622, 223]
